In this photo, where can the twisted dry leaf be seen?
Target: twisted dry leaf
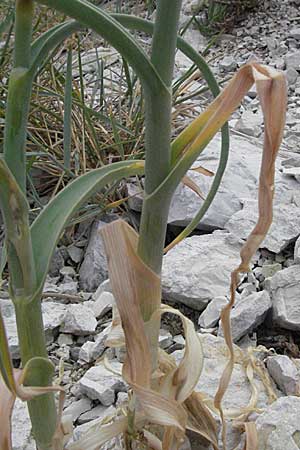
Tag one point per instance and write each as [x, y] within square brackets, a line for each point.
[271, 88]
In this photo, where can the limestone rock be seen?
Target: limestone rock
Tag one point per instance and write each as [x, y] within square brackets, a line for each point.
[279, 427]
[86, 352]
[250, 123]
[78, 408]
[297, 251]
[284, 289]
[211, 315]
[285, 374]
[228, 64]
[99, 383]
[284, 229]
[240, 182]
[21, 428]
[248, 314]
[93, 269]
[97, 413]
[79, 320]
[198, 269]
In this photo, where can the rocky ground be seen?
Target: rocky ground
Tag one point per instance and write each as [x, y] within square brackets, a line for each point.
[266, 318]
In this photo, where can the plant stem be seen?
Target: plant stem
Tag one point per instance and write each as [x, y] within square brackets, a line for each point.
[158, 154]
[20, 258]
[19, 94]
[32, 341]
[158, 139]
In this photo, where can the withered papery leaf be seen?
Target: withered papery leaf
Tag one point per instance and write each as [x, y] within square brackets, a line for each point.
[7, 401]
[271, 88]
[131, 281]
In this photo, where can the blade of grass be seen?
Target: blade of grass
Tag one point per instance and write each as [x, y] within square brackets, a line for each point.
[68, 113]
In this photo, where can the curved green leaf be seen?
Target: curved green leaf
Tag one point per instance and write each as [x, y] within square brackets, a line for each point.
[48, 226]
[43, 45]
[106, 26]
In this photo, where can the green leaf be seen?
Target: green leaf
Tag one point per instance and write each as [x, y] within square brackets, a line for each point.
[48, 226]
[14, 208]
[68, 113]
[42, 46]
[106, 26]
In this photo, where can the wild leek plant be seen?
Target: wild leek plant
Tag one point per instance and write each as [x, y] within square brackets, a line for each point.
[162, 401]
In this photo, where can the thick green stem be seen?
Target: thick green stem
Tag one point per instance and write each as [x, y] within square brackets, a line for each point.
[20, 257]
[158, 137]
[158, 153]
[19, 94]
[31, 335]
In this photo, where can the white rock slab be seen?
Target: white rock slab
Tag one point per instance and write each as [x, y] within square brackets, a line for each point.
[198, 269]
[248, 314]
[211, 315]
[239, 183]
[21, 428]
[79, 320]
[279, 426]
[285, 374]
[284, 288]
[100, 384]
[284, 229]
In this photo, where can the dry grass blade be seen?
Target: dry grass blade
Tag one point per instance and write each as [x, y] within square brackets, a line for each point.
[271, 88]
[203, 171]
[187, 181]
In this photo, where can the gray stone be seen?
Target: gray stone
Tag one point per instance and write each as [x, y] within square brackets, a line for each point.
[250, 123]
[21, 428]
[211, 315]
[102, 304]
[69, 287]
[284, 229]
[100, 384]
[77, 408]
[297, 251]
[165, 339]
[198, 269]
[97, 413]
[65, 339]
[57, 262]
[79, 320]
[284, 288]
[285, 374]
[248, 314]
[268, 270]
[75, 253]
[53, 316]
[292, 60]
[105, 286]
[100, 345]
[240, 182]
[295, 33]
[67, 272]
[291, 76]
[279, 426]
[228, 64]
[86, 352]
[93, 269]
